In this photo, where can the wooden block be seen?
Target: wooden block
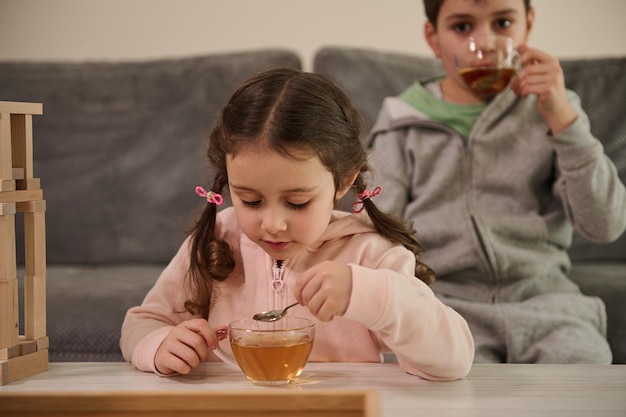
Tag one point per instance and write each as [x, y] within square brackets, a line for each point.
[37, 206]
[6, 163]
[18, 173]
[10, 352]
[22, 366]
[43, 343]
[34, 307]
[28, 184]
[20, 107]
[27, 346]
[22, 143]
[8, 267]
[263, 403]
[9, 325]
[20, 195]
[7, 185]
[35, 241]
[8, 208]
[20, 349]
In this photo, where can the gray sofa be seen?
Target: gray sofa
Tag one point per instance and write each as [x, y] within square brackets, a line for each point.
[120, 148]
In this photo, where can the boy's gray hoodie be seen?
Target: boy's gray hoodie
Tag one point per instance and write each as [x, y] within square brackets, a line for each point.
[496, 211]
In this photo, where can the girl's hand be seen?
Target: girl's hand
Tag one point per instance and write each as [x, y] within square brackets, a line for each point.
[185, 347]
[325, 289]
[542, 75]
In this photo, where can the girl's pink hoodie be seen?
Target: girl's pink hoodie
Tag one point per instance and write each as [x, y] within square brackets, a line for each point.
[390, 309]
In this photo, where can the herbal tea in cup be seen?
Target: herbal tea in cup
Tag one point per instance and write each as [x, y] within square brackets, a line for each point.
[271, 353]
[487, 64]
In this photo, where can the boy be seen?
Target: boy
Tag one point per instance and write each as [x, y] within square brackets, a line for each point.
[495, 189]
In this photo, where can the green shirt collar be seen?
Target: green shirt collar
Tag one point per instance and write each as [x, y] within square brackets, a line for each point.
[459, 117]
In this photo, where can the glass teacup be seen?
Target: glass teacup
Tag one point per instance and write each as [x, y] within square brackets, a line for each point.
[487, 64]
[272, 353]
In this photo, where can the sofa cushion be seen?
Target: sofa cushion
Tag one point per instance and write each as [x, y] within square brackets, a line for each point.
[607, 280]
[601, 85]
[86, 306]
[121, 146]
[370, 75]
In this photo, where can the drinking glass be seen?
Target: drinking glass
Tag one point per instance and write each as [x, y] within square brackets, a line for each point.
[487, 64]
[270, 353]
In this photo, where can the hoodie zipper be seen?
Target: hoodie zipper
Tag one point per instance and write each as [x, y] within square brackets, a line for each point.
[277, 282]
[489, 261]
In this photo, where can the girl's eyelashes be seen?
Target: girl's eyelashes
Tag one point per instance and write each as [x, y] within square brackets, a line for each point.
[293, 206]
[299, 206]
[250, 204]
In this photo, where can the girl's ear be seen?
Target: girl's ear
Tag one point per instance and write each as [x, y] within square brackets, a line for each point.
[430, 33]
[345, 186]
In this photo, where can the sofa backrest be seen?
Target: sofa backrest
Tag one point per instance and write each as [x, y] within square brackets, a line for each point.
[121, 146]
[370, 75]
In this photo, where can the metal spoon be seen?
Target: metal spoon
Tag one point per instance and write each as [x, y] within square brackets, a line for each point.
[272, 315]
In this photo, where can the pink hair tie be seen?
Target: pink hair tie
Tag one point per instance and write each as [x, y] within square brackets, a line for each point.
[358, 206]
[211, 196]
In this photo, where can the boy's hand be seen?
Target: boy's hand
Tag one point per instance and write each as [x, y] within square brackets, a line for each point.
[185, 347]
[325, 289]
[541, 74]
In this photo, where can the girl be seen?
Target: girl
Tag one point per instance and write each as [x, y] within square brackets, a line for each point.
[287, 146]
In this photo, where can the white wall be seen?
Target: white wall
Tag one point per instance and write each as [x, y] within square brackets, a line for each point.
[80, 30]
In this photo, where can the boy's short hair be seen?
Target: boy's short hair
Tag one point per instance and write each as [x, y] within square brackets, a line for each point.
[431, 7]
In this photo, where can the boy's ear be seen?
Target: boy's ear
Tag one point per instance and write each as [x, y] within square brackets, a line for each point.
[430, 34]
[345, 187]
[530, 20]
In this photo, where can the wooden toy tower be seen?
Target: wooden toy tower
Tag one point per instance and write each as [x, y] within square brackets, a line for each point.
[27, 354]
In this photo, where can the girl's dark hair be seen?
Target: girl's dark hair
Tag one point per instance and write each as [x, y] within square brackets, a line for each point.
[285, 110]
[431, 8]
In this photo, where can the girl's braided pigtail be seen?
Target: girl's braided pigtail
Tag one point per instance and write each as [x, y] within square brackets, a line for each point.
[392, 228]
[211, 258]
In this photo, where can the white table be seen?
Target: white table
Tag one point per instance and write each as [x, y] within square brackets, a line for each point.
[489, 390]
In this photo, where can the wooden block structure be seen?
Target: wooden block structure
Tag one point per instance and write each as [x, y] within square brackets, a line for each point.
[27, 354]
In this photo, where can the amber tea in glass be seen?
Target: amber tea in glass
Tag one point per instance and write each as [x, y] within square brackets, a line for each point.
[272, 353]
[486, 82]
[487, 64]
